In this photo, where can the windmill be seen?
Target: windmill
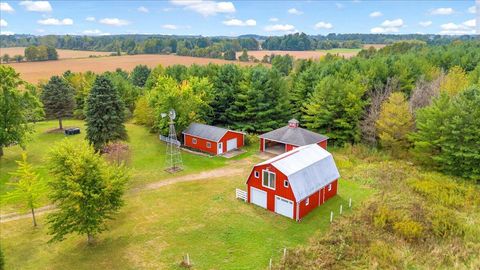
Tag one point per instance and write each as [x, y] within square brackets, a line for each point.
[173, 158]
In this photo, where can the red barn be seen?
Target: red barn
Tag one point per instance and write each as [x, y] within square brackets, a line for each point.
[294, 183]
[213, 140]
[290, 137]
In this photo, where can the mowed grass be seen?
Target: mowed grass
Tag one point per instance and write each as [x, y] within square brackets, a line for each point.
[157, 227]
[146, 159]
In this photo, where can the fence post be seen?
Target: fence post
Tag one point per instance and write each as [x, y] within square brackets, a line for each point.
[331, 216]
[188, 260]
[284, 253]
[341, 208]
[350, 203]
[270, 264]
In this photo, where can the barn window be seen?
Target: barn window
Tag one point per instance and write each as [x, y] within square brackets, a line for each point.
[268, 179]
[285, 183]
[194, 141]
[256, 174]
[330, 187]
[307, 201]
[209, 145]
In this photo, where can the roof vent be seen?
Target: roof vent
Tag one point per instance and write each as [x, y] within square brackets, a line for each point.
[293, 123]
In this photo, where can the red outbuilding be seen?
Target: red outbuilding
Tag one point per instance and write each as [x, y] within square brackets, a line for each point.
[211, 139]
[294, 183]
[290, 137]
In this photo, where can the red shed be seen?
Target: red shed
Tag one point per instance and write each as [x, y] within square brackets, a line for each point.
[213, 140]
[294, 183]
[290, 137]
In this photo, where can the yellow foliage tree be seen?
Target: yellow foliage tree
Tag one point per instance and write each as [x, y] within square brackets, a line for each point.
[455, 81]
[394, 123]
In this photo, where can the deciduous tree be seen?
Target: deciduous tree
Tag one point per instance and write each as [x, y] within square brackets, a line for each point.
[139, 75]
[105, 114]
[85, 189]
[58, 99]
[394, 123]
[455, 81]
[27, 187]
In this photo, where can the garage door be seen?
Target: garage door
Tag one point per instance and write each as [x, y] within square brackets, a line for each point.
[258, 197]
[283, 207]
[231, 144]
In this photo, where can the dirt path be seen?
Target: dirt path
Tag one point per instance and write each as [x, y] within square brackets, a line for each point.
[236, 168]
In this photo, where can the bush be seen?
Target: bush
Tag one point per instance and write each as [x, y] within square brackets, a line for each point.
[251, 139]
[408, 229]
[384, 217]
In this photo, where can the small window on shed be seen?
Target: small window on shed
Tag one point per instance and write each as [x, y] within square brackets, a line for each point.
[285, 183]
[194, 141]
[256, 174]
[209, 145]
[307, 201]
[330, 187]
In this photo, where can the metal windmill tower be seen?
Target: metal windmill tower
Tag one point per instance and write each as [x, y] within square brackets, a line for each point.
[173, 158]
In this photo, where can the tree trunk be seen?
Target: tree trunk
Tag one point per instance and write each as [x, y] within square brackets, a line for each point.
[60, 123]
[33, 216]
[90, 239]
[1, 151]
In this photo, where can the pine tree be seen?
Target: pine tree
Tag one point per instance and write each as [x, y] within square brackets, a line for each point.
[85, 189]
[105, 114]
[140, 75]
[395, 123]
[226, 85]
[58, 99]
[447, 135]
[335, 108]
[27, 188]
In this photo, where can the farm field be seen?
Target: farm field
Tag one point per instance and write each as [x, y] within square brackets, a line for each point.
[304, 54]
[62, 54]
[158, 226]
[35, 71]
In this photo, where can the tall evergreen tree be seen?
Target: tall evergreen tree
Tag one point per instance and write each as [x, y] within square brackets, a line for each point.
[140, 75]
[226, 85]
[58, 99]
[85, 189]
[105, 114]
[13, 113]
[335, 108]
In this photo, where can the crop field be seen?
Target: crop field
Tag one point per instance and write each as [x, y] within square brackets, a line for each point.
[35, 71]
[62, 54]
[304, 54]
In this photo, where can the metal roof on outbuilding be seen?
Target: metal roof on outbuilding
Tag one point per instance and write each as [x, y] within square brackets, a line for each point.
[208, 132]
[294, 135]
[308, 168]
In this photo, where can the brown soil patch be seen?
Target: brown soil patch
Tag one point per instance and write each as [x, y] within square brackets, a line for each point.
[62, 54]
[35, 71]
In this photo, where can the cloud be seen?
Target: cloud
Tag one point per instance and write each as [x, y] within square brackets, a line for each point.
[143, 9]
[237, 22]
[280, 27]
[90, 19]
[472, 9]
[5, 7]
[295, 11]
[53, 21]
[38, 6]
[95, 32]
[206, 8]
[273, 19]
[3, 23]
[323, 25]
[442, 11]
[425, 23]
[388, 26]
[114, 21]
[376, 14]
[170, 26]
[339, 5]
[6, 33]
[465, 28]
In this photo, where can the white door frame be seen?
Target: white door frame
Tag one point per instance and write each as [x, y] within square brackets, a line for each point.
[219, 148]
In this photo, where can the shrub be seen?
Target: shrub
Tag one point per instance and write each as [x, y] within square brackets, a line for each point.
[408, 229]
[384, 217]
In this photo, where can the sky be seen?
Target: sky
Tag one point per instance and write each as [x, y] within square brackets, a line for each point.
[225, 18]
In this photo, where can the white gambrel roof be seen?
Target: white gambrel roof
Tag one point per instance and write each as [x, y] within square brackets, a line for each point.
[308, 169]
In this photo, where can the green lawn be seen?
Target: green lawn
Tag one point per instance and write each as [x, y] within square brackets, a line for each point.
[147, 159]
[157, 227]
